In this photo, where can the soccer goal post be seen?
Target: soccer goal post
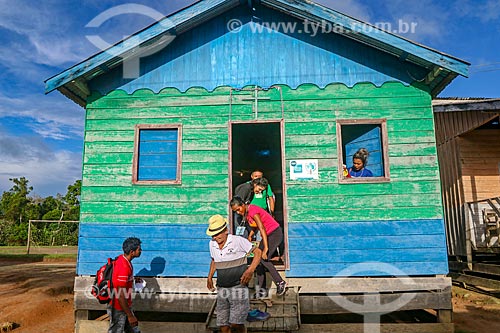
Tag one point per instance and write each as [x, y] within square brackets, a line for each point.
[52, 236]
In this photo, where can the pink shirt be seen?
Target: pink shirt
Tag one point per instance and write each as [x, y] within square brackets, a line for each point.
[268, 221]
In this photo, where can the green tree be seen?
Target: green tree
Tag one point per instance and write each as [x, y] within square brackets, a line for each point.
[17, 208]
[54, 214]
[14, 202]
[49, 204]
[72, 200]
[72, 197]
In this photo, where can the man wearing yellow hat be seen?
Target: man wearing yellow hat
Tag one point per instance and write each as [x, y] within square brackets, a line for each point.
[229, 259]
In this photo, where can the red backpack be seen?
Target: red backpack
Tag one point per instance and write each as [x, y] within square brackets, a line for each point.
[103, 282]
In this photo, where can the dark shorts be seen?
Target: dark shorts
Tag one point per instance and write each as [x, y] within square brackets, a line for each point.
[233, 305]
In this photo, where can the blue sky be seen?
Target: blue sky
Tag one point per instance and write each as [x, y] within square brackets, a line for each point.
[41, 136]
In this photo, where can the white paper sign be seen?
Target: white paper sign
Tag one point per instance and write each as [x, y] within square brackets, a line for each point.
[304, 169]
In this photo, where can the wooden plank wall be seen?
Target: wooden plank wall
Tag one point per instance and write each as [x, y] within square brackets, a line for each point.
[209, 56]
[108, 194]
[412, 195]
[168, 249]
[368, 248]
[449, 128]
[480, 163]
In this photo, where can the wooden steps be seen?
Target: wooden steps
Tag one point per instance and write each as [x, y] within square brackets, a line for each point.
[284, 311]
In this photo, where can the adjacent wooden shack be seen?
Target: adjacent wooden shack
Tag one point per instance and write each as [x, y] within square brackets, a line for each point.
[468, 141]
[222, 88]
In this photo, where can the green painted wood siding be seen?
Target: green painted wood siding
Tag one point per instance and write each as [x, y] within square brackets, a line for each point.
[108, 194]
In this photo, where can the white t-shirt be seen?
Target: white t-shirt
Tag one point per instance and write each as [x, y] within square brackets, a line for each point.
[231, 260]
[236, 247]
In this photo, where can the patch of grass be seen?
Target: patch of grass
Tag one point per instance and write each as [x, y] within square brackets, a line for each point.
[12, 249]
[462, 331]
[22, 257]
[18, 253]
[62, 257]
[39, 249]
[37, 257]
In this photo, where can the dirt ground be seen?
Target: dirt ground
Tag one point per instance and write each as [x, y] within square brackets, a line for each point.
[474, 312]
[38, 298]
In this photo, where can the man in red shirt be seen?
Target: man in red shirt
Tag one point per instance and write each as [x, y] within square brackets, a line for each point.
[121, 316]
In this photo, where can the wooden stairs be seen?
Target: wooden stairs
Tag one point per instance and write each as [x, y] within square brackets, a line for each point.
[284, 311]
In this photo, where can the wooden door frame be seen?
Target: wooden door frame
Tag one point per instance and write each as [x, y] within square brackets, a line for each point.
[281, 123]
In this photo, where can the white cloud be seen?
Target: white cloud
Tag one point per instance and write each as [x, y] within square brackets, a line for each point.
[50, 116]
[489, 12]
[352, 8]
[44, 32]
[49, 172]
[428, 16]
[484, 10]
[57, 51]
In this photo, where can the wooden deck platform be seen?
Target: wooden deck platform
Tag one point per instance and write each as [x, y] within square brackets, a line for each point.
[317, 297]
[155, 327]
[482, 275]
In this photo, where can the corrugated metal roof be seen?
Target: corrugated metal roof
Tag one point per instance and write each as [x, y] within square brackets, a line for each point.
[456, 104]
[457, 98]
[442, 68]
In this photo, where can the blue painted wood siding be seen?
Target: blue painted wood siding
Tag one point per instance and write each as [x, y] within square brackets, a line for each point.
[167, 249]
[408, 247]
[210, 56]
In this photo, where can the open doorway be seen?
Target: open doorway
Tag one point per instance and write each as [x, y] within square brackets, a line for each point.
[258, 146]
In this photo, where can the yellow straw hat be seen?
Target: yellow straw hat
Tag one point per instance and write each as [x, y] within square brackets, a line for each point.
[216, 224]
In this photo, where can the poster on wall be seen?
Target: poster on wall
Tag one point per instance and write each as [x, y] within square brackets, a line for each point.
[304, 169]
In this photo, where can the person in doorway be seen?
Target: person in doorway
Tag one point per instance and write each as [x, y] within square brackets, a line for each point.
[271, 234]
[121, 316]
[257, 192]
[359, 162]
[246, 193]
[264, 196]
[229, 259]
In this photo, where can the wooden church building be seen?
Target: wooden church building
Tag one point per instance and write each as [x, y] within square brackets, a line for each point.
[180, 112]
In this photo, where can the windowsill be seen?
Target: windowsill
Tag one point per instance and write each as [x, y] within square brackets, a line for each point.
[358, 180]
[156, 182]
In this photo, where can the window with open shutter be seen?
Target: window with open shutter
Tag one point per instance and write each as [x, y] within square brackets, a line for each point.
[370, 136]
